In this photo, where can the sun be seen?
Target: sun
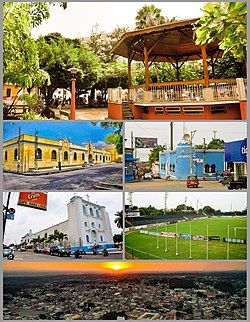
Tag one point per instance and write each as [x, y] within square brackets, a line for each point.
[116, 267]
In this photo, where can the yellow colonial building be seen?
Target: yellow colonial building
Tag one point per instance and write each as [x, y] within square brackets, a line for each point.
[30, 153]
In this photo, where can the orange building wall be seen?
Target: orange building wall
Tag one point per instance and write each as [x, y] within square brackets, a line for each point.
[115, 111]
[243, 110]
[233, 113]
[14, 90]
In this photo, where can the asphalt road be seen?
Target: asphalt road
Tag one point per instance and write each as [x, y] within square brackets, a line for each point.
[164, 185]
[30, 256]
[82, 179]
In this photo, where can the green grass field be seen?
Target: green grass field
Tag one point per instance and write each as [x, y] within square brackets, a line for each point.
[141, 246]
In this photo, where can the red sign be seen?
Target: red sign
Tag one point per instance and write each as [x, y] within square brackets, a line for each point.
[32, 199]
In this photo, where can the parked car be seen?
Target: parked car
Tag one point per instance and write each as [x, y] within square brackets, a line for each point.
[241, 183]
[59, 251]
[192, 181]
[45, 250]
[147, 176]
[7, 251]
[22, 249]
[38, 249]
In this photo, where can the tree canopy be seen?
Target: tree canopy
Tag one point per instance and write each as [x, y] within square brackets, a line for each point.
[149, 16]
[226, 21]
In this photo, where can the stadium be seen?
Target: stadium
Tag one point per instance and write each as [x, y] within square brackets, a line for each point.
[187, 236]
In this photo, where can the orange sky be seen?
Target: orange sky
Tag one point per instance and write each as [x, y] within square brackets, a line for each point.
[131, 267]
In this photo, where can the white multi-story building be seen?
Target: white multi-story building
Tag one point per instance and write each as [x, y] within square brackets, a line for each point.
[87, 224]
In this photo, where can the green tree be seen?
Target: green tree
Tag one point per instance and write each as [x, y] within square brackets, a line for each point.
[149, 16]
[57, 54]
[116, 137]
[216, 144]
[119, 219]
[154, 154]
[226, 21]
[117, 238]
[208, 210]
[180, 208]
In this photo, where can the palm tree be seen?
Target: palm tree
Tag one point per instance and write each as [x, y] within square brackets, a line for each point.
[38, 241]
[50, 239]
[149, 16]
[61, 237]
[119, 219]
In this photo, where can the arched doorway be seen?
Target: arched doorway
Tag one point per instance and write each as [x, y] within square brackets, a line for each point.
[103, 159]
[90, 158]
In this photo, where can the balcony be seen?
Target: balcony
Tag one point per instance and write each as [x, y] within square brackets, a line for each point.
[219, 90]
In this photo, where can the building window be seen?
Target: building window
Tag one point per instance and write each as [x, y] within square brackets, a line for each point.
[45, 235]
[87, 238]
[96, 157]
[6, 155]
[173, 167]
[163, 166]
[101, 238]
[213, 168]
[39, 154]
[53, 155]
[207, 167]
[83, 156]
[100, 158]
[99, 226]
[93, 224]
[8, 92]
[75, 156]
[15, 154]
[97, 213]
[91, 212]
[84, 210]
[86, 224]
[66, 155]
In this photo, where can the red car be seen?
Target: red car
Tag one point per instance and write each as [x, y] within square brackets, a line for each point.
[45, 250]
[192, 181]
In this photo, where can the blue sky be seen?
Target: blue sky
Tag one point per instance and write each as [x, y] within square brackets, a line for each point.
[78, 132]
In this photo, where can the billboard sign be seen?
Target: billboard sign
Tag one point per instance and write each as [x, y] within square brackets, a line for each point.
[37, 200]
[145, 142]
[236, 151]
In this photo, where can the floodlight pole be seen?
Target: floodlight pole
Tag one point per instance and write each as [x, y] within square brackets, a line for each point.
[190, 242]
[207, 242]
[166, 241]
[157, 241]
[227, 242]
[176, 241]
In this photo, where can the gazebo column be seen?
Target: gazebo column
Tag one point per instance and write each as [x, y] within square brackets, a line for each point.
[205, 68]
[129, 73]
[146, 68]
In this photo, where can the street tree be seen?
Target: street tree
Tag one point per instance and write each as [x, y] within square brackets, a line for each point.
[226, 21]
[154, 154]
[57, 54]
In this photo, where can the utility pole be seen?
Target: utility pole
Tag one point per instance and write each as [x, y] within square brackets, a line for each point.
[130, 198]
[18, 149]
[204, 151]
[165, 202]
[171, 136]
[215, 134]
[197, 205]
[191, 150]
[186, 203]
[5, 213]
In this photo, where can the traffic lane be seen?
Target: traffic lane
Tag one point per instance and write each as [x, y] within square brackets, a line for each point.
[83, 179]
[163, 185]
[30, 256]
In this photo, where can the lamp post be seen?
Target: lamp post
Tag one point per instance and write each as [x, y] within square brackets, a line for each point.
[73, 71]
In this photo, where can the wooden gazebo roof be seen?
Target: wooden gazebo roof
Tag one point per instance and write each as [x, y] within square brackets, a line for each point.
[169, 42]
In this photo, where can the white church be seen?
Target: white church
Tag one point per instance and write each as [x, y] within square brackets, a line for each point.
[87, 224]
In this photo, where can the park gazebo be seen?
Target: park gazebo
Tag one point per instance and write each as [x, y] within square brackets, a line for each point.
[174, 43]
